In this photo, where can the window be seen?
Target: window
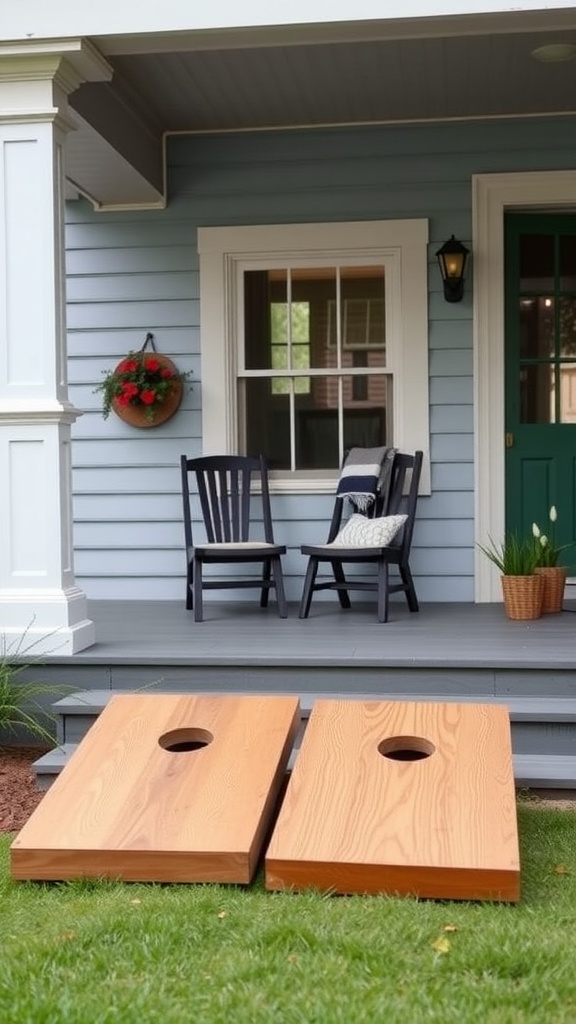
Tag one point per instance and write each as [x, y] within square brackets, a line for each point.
[314, 339]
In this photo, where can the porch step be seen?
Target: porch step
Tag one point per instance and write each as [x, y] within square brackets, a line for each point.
[77, 711]
[538, 724]
[531, 771]
[545, 771]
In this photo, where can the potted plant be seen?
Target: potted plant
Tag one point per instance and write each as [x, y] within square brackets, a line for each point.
[145, 388]
[522, 587]
[547, 555]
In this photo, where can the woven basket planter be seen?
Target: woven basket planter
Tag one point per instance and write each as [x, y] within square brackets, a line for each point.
[523, 596]
[554, 583]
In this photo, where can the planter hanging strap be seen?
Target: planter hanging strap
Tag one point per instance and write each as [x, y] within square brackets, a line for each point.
[148, 340]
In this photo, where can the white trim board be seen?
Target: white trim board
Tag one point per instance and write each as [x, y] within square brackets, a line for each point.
[492, 195]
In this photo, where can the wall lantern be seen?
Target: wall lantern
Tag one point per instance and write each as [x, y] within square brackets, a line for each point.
[452, 258]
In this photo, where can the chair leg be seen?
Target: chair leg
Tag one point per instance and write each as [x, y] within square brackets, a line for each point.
[339, 576]
[189, 585]
[198, 609]
[308, 588]
[279, 581]
[383, 591]
[410, 589]
[264, 593]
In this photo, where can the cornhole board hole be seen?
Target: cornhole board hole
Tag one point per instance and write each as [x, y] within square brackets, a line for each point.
[403, 798]
[165, 788]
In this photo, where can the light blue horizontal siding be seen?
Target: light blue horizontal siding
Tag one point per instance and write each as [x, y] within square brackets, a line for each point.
[133, 272]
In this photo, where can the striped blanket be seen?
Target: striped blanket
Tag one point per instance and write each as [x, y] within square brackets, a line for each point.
[364, 473]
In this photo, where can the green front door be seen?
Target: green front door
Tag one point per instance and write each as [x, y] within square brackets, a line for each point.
[540, 366]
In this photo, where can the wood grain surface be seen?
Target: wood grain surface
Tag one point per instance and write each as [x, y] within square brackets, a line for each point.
[125, 807]
[355, 821]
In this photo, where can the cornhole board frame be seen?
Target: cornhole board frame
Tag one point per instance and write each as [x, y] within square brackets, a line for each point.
[127, 807]
[354, 819]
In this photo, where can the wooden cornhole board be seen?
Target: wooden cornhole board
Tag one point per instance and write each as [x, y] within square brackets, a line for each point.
[356, 821]
[126, 807]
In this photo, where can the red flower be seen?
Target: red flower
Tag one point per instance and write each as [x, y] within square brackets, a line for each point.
[166, 374]
[152, 365]
[123, 399]
[129, 390]
[127, 366]
[148, 397]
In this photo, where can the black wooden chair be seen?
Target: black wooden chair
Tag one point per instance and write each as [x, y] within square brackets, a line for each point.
[224, 484]
[396, 553]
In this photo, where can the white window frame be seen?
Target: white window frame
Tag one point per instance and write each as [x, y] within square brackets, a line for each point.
[225, 252]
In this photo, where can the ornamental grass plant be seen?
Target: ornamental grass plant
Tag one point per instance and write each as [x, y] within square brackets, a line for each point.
[516, 556]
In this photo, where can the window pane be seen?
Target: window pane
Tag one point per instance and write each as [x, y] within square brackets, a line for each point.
[567, 309]
[537, 396]
[536, 263]
[259, 327]
[364, 417]
[568, 262]
[317, 426]
[536, 328]
[267, 421]
[568, 393]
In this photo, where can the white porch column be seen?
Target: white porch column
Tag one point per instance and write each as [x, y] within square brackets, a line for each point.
[39, 599]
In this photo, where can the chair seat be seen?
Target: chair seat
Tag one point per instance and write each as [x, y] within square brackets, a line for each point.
[329, 551]
[240, 547]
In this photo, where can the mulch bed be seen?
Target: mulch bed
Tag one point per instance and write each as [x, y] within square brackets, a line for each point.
[18, 793]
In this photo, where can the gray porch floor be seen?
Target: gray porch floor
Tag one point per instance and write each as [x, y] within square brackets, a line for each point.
[440, 635]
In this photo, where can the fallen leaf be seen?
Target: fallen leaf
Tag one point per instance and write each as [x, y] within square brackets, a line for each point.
[450, 928]
[222, 914]
[441, 945]
[135, 901]
[561, 869]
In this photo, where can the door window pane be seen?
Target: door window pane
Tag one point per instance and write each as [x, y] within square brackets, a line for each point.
[537, 327]
[568, 263]
[536, 263]
[568, 393]
[567, 326]
[537, 395]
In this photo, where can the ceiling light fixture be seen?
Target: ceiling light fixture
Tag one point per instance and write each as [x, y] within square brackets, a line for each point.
[555, 53]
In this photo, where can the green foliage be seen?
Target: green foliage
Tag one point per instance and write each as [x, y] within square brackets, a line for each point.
[21, 709]
[516, 556]
[113, 953]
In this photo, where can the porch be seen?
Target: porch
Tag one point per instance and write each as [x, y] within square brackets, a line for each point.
[456, 652]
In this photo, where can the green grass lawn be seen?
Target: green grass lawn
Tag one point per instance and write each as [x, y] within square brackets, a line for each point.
[109, 953]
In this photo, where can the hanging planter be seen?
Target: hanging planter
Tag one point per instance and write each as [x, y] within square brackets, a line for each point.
[145, 389]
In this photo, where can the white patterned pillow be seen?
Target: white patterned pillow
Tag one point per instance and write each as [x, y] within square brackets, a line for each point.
[361, 532]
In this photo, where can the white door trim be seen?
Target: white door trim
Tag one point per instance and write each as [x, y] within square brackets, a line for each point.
[492, 194]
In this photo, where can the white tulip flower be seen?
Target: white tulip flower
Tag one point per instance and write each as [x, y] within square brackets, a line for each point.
[535, 530]
[553, 514]
[543, 540]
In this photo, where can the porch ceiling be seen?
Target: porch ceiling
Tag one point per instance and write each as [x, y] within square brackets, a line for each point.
[391, 72]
